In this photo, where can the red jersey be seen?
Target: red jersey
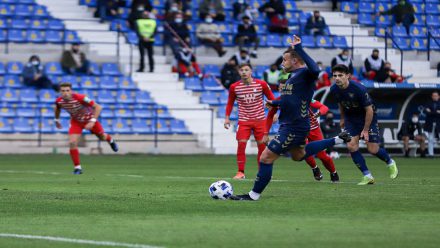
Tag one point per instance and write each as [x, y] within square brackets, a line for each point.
[79, 107]
[249, 98]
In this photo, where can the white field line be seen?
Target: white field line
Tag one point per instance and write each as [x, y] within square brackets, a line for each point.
[76, 241]
[30, 172]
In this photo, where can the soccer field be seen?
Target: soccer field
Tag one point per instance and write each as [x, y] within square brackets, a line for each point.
[163, 201]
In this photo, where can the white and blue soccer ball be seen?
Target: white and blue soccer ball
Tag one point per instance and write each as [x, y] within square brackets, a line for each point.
[221, 190]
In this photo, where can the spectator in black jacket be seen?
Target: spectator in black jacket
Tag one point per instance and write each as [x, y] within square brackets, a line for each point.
[173, 7]
[374, 65]
[275, 11]
[316, 24]
[213, 8]
[403, 12]
[138, 7]
[229, 73]
[432, 122]
[178, 26]
[412, 130]
[247, 35]
[33, 75]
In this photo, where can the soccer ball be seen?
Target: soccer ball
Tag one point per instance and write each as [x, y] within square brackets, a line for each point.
[221, 190]
[335, 155]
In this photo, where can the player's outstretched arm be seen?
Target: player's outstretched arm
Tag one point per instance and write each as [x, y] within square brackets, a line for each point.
[97, 110]
[311, 64]
[229, 106]
[57, 112]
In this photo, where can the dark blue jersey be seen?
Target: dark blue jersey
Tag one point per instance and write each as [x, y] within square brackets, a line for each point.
[297, 92]
[353, 100]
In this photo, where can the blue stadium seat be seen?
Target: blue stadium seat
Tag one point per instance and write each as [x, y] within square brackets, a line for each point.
[193, 84]
[121, 126]
[213, 70]
[383, 20]
[110, 69]
[308, 41]
[340, 42]
[228, 42]
[142, 113]
[2, 69]
[419, 20]
[223, 97]
[432, 8]
[158, 39]
[366, 19]
[23, 125]
[291, 5]
[89, 3]
[37, 24]
[418, 8]
[124, 113]
[71, 79]
[46, 125]
[19, 24]
[210, 83]
[163, 112]
[143, 97]
[132, 38]
[40, 12]
[224, 27]
[142, 126]
[5, 10]
[261, 29]
[434, 45]
[54, 36]
[4, 23]
[17, 35]
[210, 98]
[109, 83]
[399, 31]
[366, 7]
[65, 123]
[53, 68]
[7, 112]
[292, 17]
[55, 24]
[274, 40]
[35, 36]
[125, 97]
[416, 31]
[23, 11]
[433, 20]
[119, 24]
[402, 43]
[94, 68]
[348, 7]
[47, 112]
[418, 44]
[71, 37]
[123, 13]
[26, 112]
[107, 113]
[178, 127]
[105, 96]
[47, 96]
[5, 126]
[163, 127]
[28, 95]
[259, 70]
[323, 42]
[31, 2]
[382, 6]
[88, 82]
[12, 81]
[126, 83]
[380, 31]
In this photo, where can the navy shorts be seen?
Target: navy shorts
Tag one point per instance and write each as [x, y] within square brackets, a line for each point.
[288, 137]
[354, 128]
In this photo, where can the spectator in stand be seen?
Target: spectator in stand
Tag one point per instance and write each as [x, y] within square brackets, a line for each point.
[343, 59]
[33, 75]
[229, 73]
[187, 63]
[208, 34]
[271, 76]
[403, 13]
[213, 8]
[138, 7]
[432, 121]
[275, 11]
[334, 7]
[373, 65]
[241, 57]
[388, 75]
[242, 8]
[176, 33]
[316, 24]
[412, 130]
[330, 129]
[247, 34]
[173, 7]
[74, 61]
[146, 28]
[108, 9]
[323, 78]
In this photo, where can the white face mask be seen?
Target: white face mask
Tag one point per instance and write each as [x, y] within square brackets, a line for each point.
[344, 57]
[179, 20]
[415, 119]
[35, 62]
[240, 1]
[174, 9]
[209, 20]
[140, 8]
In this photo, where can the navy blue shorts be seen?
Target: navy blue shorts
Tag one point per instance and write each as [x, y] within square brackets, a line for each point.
[288, 137]
[354, 128]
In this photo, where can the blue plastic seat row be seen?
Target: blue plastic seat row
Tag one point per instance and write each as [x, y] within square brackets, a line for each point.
[23, 10]
[39, 36]
[209, 83]
[37, 24]
[415, 44]
[371, 7]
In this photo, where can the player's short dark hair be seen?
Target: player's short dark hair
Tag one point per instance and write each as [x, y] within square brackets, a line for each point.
[66, 84]
[341, 68]
[294, 54]
[245, 64]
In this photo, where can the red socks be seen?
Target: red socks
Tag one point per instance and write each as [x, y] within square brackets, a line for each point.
[327, 161]
[261, 148]
[74, 154]
[108, 138]
[311, 162]
[241, 156]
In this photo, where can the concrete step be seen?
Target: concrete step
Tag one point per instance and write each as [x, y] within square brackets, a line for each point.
[142, 77]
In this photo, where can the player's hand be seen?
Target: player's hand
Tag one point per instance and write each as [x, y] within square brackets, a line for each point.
[296, 40]
[364, 135]
[342, 123]
[90, 125]
[266, 139]
[275, 118]
[227, 124]
[58, 124]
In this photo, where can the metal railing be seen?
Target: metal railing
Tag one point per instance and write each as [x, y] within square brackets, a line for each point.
[429, 43]
[389, 36]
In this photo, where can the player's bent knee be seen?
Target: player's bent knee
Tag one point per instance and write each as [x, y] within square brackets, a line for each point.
[373, 149]
[267, 156]
[297, 154]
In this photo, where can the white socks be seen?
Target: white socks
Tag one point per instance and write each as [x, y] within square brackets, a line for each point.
[338, 140]
[77, 167]
[254, 196]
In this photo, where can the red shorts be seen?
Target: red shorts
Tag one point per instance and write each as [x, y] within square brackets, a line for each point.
[315, 135]
[77, 127]
[245, 128]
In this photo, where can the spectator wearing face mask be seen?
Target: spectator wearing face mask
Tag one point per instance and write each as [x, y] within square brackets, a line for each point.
[373, 64]
[33, 75]
[388, 75]
[412, 130]
[173, 7]
[229, 73]
[316, 24]
[343, 59]
[323, 78]
[176, 33]
[402, 12]
[74, 61]
[432, 121]
[208, 33]
[247, 34]
[187, 63]
[271, 76]
[241, 57]
[146, 28]
[213, 8]
[138, 7]
[242, 8]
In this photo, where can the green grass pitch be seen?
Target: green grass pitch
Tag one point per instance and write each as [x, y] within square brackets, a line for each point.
[163, 201]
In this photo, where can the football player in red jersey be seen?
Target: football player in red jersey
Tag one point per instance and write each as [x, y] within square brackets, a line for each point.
[84, 113]
[248, 92]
